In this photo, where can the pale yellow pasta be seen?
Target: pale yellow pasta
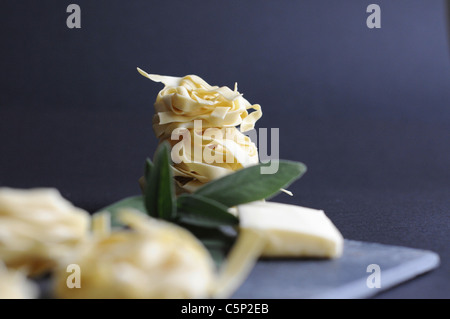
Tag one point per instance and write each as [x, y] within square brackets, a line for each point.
[38, 227]
[186, 101]
[190, 98]
[152, 259]
[15, 285]
[222, 152]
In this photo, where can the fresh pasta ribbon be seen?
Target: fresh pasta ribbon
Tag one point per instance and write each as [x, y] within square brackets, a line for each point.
[240, 261]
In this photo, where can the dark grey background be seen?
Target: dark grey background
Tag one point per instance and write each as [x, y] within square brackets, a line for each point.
[366, 109]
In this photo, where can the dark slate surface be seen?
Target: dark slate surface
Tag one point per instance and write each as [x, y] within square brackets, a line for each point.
[345, 277]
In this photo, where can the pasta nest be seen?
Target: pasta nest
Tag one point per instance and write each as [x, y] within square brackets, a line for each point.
[150, 259]
[38, 227]
[204, 117]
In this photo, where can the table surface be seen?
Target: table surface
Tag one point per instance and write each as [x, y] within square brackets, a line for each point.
[387, 184]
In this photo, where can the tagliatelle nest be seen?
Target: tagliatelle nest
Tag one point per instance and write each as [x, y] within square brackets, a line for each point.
[186, 101]
[38, 227]
[152, 259]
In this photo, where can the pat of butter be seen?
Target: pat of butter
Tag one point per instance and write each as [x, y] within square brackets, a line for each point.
[292, 231]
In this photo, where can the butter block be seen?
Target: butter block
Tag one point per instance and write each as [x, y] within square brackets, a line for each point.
[292, 231]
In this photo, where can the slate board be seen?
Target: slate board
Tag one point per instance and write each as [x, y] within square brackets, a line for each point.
[342, 278]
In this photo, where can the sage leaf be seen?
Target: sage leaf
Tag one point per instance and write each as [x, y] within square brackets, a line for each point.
[148, 169]
[143, 180]
[159, 190]
[201, 211]
[248, 184]
[135, 202]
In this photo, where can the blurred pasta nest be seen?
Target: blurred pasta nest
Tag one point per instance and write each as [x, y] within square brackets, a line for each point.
[15, 285]
[150, 259]
[38, 227]
[40, 232]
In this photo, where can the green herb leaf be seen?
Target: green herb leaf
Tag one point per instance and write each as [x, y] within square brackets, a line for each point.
[148, 169]
[135, 202]
[248, 184]
[159, 190]
[144, 179]
[201, 211]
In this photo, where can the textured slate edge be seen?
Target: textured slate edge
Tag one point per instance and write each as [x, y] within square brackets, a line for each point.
[390, 278]
[394, 270]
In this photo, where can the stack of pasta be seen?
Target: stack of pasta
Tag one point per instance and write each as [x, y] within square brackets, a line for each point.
[199, 121]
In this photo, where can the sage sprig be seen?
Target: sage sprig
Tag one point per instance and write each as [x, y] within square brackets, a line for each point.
[248, 185]
[201, 211]
[159, 191]
[205, 212]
